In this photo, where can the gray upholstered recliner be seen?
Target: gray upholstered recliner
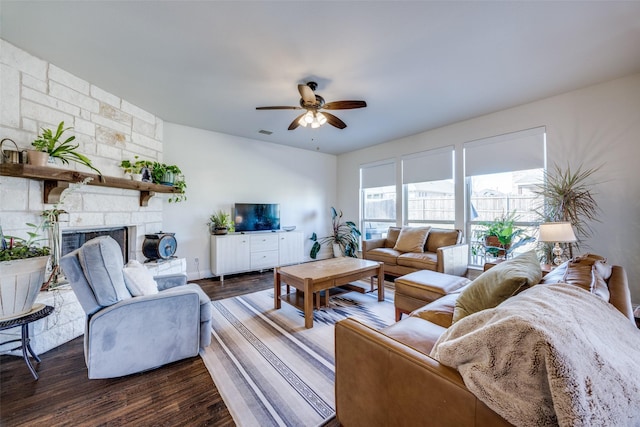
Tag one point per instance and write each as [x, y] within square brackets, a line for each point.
[125, 334]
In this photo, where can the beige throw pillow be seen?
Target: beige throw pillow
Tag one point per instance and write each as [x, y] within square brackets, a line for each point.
[139, 279]
[412, 239]
[497, 284]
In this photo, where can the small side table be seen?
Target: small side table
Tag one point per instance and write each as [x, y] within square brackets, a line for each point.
[25, 344]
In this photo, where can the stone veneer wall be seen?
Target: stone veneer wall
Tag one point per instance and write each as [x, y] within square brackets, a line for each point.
[36, 94]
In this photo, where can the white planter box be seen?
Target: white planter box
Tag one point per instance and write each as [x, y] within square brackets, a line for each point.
[20, 282]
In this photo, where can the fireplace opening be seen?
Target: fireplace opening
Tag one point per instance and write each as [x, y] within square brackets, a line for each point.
[73, 239]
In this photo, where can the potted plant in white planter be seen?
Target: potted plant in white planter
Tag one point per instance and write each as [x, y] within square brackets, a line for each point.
[345, 238]
[22, 268]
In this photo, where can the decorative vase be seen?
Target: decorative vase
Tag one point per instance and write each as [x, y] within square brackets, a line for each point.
[20, 282]
[337, 251]
[37, 158]
[136, 176]
[168, 178]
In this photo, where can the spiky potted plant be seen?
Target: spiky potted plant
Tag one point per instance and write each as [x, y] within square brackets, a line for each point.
[568, 196]
[220, 222]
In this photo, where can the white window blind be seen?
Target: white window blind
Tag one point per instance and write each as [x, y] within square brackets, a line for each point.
[509, 152]
[379, 174]
[432, 165]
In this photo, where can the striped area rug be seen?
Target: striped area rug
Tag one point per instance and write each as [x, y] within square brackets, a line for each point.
[269, 369]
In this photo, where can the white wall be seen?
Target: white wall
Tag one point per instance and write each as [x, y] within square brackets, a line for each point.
[221, 170]
[597, 125]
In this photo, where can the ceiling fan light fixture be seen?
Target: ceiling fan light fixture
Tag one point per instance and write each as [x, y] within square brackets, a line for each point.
[308, 117]
[311, 103]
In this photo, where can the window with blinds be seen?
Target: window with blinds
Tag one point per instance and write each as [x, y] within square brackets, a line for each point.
[428, 188]
[501, 173]
[378, 198]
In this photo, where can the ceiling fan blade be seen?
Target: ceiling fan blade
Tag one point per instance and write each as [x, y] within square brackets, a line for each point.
[307, 94]
[334, 121]
[279, 107]
[344, 105]
[295, 123]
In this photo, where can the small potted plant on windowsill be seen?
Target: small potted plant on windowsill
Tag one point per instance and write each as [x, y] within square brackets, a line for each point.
[220, 223]
[345, 239]
[501, 236]
[48, 145]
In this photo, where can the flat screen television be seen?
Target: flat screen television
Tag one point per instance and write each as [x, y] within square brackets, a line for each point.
[256, 216]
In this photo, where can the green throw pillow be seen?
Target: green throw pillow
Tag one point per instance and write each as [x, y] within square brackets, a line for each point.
[497, 284]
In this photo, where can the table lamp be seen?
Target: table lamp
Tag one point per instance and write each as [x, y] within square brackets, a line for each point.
[557, 232]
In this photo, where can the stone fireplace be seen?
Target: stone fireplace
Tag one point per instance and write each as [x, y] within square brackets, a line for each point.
[37, 94]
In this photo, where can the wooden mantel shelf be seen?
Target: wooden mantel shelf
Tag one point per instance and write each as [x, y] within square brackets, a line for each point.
[57, 180]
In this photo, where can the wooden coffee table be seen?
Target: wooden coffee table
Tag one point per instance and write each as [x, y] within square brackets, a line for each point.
[316, 276]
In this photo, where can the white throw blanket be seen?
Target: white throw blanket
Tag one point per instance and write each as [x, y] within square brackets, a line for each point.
[553, 355]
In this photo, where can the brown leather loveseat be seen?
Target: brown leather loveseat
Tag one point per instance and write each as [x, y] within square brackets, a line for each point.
[443, 252]
[386, 377]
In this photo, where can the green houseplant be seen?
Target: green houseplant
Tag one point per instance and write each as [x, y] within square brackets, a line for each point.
[501, 236]
[568, 197]
[134, 168]
[23, 263]
[345, 237]
[220, 222]
[164, 174]
[50, 143]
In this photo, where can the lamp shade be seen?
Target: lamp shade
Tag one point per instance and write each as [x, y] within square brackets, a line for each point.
[561, 232]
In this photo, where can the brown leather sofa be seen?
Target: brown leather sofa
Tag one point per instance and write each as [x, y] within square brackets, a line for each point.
[386, 377]
[444, 252]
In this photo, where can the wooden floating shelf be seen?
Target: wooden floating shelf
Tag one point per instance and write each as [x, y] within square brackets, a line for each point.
[57, 180]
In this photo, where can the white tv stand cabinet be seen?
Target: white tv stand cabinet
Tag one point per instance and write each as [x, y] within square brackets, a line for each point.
[238, 253]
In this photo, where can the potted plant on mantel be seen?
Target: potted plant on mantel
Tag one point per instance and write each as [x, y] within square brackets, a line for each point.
[171, 175]
[134, 169]
[22, 267]
[220, 223]
[345, 238]
[48, 144]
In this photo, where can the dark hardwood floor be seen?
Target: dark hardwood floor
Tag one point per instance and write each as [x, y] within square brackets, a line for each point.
[179, 394]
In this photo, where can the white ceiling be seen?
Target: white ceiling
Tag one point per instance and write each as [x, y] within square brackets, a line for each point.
[418, 64]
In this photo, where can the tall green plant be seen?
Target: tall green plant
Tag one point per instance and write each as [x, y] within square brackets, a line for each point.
[345, 234]
[568, 196]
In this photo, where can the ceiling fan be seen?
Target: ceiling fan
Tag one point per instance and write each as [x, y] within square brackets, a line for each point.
[313, 103]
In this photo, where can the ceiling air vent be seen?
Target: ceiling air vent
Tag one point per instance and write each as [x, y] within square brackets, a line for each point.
[265, 132]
